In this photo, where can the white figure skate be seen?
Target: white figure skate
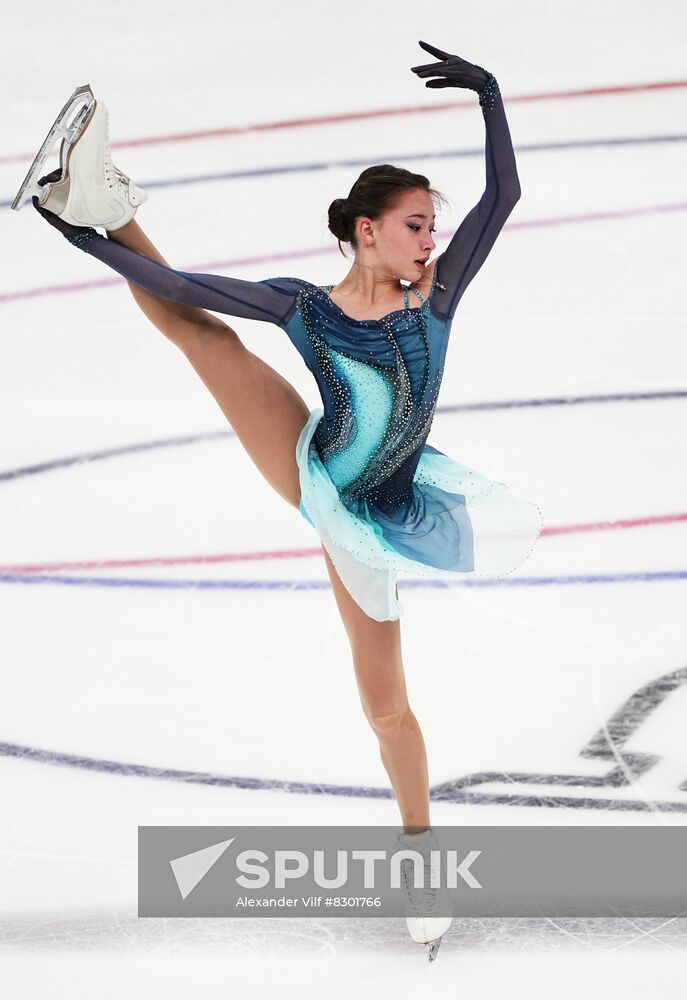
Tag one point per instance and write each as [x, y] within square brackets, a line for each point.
[92, 191]
[426, 907]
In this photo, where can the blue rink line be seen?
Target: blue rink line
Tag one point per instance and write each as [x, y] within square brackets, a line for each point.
[533, 147]
[204, 584]
[175, 442]
[95, 456]
[457, 796]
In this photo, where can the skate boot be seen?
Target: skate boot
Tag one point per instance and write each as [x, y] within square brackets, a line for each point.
[92, 191]
[427, 908]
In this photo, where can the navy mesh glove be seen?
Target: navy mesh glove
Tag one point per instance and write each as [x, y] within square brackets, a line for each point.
[71, 233]
[453, 71]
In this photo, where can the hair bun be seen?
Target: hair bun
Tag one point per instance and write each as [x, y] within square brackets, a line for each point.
[339, 221]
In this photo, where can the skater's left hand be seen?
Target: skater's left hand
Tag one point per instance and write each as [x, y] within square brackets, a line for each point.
[64, 227]
[452, 71]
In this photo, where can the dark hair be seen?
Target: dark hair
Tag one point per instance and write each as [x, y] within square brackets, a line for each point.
[373, 194]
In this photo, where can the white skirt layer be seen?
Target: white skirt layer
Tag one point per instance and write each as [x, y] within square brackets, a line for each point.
[465, 525]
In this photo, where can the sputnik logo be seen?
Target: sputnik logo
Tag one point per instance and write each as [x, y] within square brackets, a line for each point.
[189, 869]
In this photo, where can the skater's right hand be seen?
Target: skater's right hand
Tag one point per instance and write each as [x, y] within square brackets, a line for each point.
[451, 70]
[65, 228]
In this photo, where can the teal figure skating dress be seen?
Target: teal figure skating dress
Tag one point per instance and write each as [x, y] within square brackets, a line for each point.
[381, 499]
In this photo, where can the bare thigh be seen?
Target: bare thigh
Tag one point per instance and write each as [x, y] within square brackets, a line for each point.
[263, 408]
[377, 659]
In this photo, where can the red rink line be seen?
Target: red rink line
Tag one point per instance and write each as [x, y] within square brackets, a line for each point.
[564, 529]
[413, 109]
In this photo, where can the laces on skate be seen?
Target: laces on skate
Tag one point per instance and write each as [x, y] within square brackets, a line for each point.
[423, 898]
[116, 178]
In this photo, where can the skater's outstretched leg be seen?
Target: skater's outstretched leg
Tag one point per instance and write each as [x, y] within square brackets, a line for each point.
[265, 411]
[181, 324]
[263, 408]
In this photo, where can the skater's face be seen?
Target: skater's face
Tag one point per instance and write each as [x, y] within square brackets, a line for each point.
[402, 235]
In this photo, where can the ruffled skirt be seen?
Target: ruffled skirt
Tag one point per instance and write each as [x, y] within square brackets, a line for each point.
[461, 523]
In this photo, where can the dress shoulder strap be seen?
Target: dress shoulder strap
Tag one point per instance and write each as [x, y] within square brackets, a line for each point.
[420, 296]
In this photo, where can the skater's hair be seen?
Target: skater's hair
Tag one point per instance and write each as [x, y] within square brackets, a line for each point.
[373, 194]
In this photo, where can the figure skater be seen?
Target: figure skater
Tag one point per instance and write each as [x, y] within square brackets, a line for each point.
[358, 468]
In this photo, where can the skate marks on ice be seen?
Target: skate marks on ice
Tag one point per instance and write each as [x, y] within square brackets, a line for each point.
[111, 931]
[627, 771]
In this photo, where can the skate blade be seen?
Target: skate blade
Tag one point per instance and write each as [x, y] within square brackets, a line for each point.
[433, 948]
[62, 128]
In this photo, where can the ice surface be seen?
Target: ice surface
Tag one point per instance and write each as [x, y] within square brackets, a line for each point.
[541, 689]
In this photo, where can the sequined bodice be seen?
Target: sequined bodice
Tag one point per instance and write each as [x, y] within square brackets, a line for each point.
[379, 380]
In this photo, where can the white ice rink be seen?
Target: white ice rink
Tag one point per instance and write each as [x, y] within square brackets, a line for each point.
[165, 614]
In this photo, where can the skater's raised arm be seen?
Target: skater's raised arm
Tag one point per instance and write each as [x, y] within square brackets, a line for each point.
[476, 235]
[261, 300]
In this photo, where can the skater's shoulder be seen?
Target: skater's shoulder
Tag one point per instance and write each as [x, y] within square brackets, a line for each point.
[291, 285]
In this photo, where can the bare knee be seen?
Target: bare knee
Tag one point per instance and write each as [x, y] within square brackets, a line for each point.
[389, 722]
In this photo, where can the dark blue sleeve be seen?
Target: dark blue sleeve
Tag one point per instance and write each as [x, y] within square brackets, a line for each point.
[272, 300]
[476, 235]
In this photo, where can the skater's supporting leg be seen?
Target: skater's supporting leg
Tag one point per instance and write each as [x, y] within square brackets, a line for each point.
[376, 648]
[263, 408]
